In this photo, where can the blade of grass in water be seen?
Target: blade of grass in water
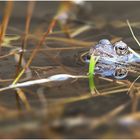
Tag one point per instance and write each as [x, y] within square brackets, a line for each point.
[132, 32]
[133, 52]
[91, 73]
[54, 78]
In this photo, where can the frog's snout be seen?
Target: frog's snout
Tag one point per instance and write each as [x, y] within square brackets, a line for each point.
[133, 56]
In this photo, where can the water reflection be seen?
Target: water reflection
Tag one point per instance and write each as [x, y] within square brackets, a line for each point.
[66, 109]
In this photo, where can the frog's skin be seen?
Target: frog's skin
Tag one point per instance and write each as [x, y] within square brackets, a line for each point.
[111, 63]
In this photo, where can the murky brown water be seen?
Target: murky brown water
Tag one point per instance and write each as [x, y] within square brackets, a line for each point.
[67, 109]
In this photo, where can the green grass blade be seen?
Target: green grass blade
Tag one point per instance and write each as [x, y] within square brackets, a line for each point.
[91, 73]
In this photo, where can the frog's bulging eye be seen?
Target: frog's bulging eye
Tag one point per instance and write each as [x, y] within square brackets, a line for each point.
[120, 72]
[121, 48]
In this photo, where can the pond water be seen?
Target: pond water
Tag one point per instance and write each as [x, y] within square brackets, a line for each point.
[67, 109]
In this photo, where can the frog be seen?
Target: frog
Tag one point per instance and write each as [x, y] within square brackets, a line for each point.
[114, 59]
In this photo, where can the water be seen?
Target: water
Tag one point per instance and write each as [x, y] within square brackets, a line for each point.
[66, 109]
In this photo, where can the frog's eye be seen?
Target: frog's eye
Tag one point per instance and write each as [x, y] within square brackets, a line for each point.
[120, 72]
[121, 48]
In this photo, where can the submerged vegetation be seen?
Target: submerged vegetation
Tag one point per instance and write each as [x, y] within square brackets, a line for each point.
[46, 89]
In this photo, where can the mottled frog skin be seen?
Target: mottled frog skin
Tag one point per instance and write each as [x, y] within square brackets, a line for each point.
[114, 59]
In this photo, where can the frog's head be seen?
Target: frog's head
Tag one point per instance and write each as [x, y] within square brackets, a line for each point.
[114, 58]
